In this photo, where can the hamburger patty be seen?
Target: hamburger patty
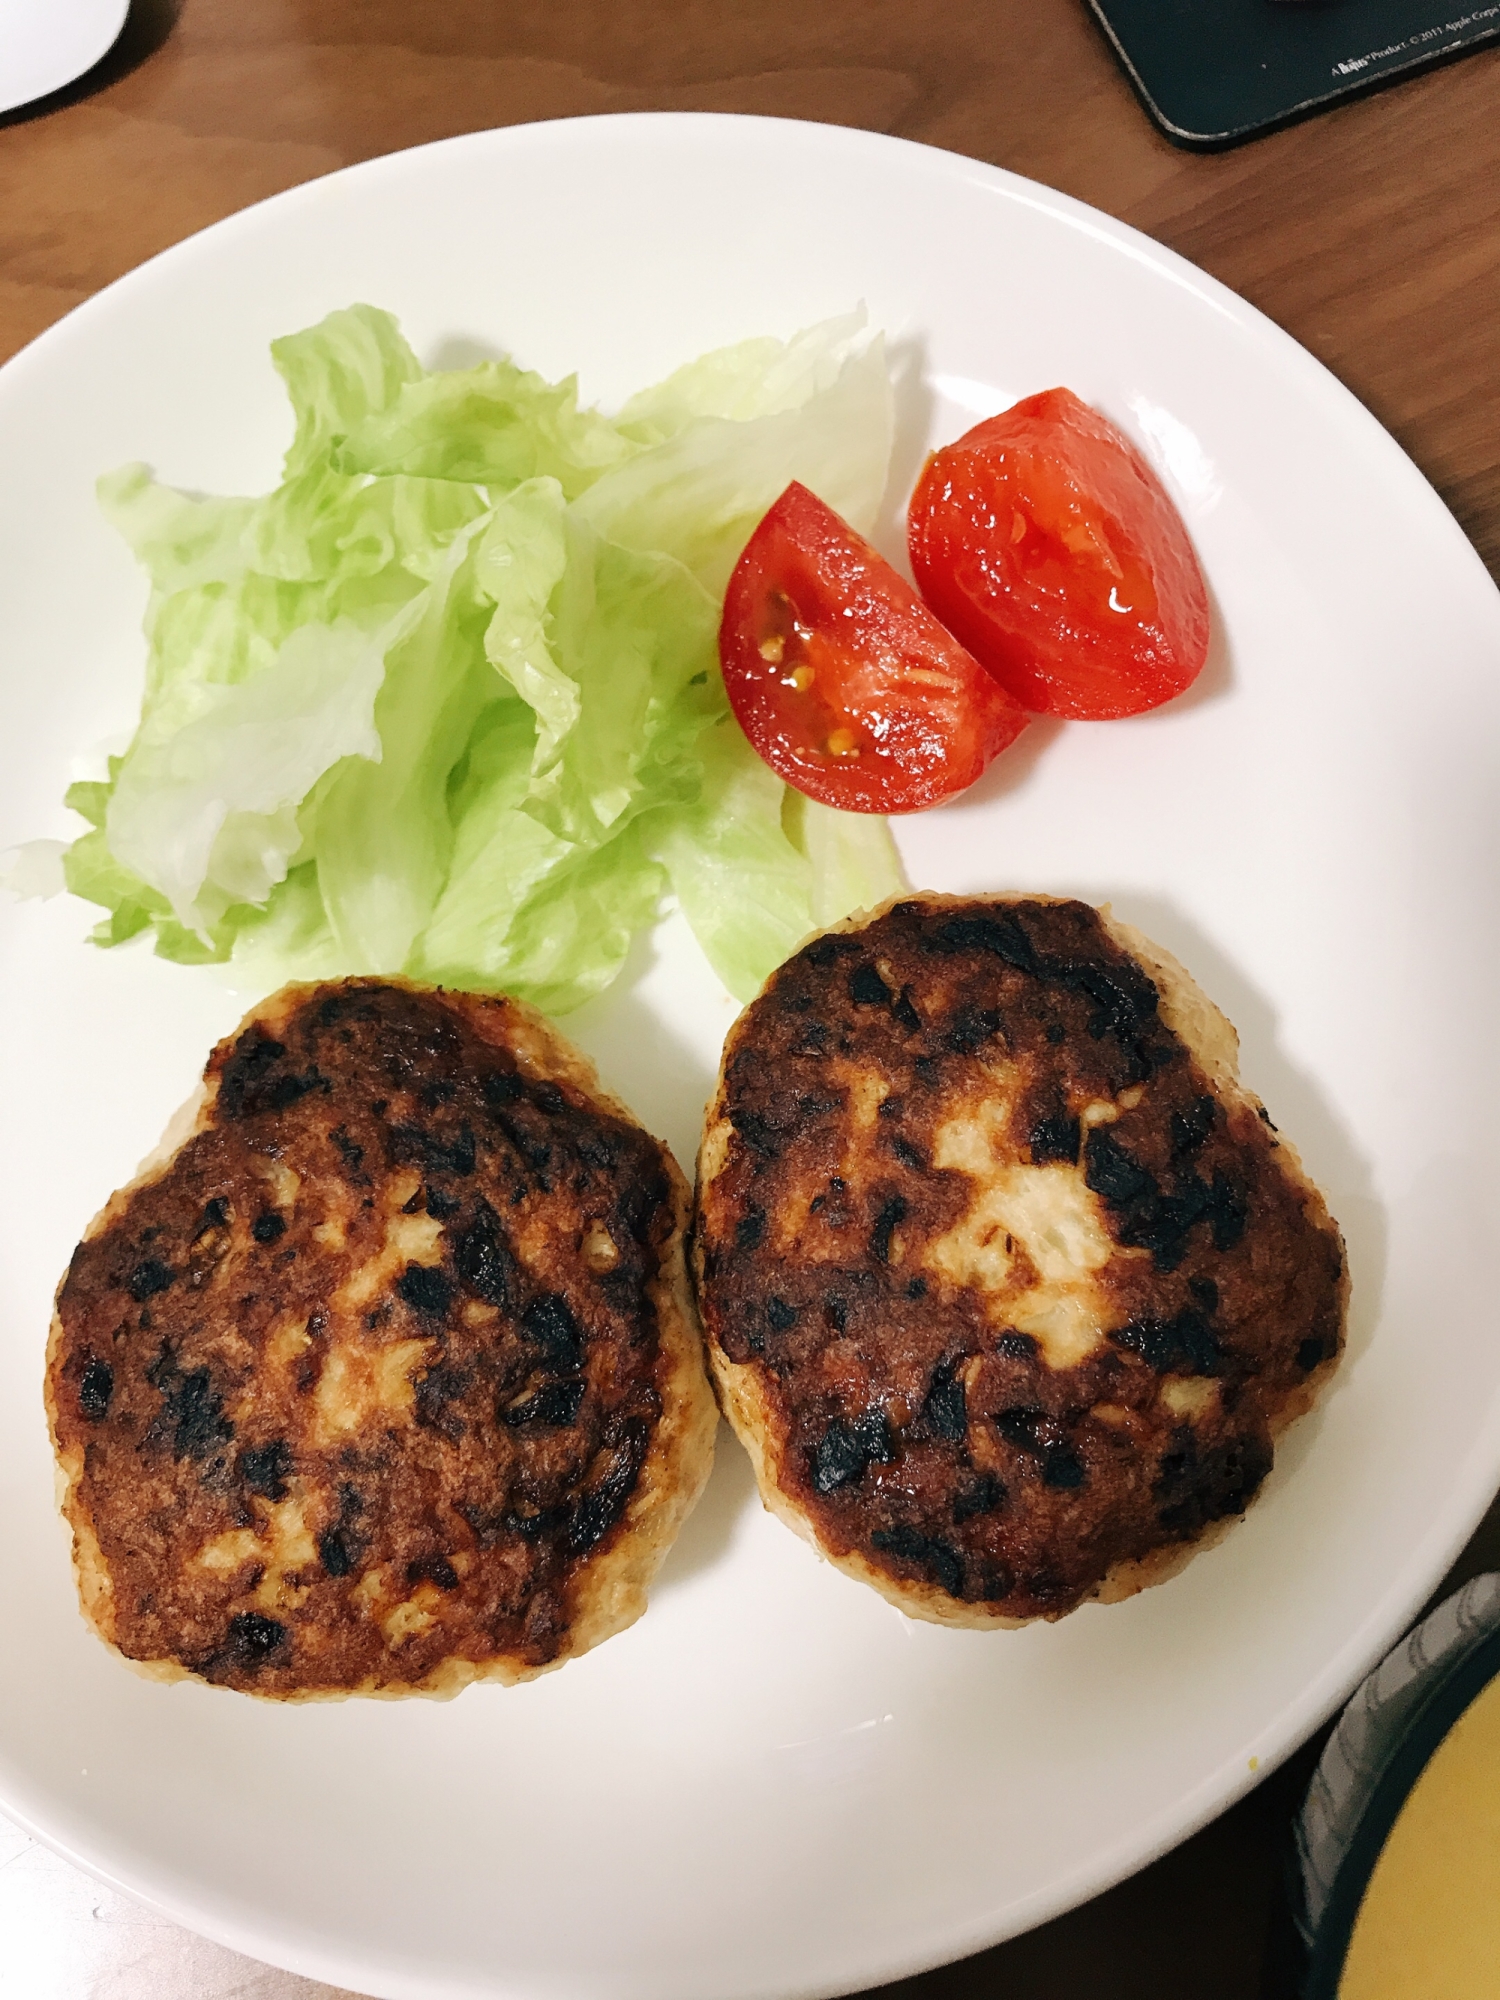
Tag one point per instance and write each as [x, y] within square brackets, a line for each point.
[1007, 1284]
[385, 1381]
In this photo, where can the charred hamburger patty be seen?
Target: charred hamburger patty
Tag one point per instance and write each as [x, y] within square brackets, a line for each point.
[1008, 1285]
[385, 1379]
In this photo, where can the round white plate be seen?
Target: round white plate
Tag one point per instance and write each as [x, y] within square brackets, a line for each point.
[45, 44]
[775, 1785]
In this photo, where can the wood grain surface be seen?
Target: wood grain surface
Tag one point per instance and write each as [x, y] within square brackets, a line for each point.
[1372, 234]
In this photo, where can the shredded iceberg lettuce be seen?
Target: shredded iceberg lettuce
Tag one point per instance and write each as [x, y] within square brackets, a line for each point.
[448, 701]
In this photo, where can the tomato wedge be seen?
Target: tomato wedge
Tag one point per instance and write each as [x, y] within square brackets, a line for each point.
[1046, 543]
[842, 678]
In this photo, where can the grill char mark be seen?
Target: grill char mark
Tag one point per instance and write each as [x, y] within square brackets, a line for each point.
[348, 1090]
[1045, 987]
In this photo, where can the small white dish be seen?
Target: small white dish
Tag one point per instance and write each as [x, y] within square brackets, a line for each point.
[775, 1787]
[45, 44]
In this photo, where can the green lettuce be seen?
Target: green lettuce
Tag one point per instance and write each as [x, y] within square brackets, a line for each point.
[448, 700]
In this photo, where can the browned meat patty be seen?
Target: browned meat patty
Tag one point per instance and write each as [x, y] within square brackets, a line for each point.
[1008, 1284]
[385, 1378]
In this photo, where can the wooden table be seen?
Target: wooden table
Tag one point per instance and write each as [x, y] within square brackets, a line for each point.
[1372, 234]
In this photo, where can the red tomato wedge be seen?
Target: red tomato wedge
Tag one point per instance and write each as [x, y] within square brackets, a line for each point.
[842, 678]
[1046, 543]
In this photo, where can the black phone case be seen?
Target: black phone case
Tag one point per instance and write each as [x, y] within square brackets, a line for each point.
[1214, 72]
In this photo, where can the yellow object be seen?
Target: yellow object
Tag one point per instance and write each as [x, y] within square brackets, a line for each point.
[1429, 1925]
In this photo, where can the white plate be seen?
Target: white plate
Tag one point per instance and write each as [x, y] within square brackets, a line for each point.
[775, 1785]
[45, 44]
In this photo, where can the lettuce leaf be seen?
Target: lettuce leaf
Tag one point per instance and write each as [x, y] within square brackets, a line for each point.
[743, 885]
[699, 493]
[351, 366]
[852, 857]
[381, 830]
[493, 425]
[206, 812]
[754, 378]
[448, 701]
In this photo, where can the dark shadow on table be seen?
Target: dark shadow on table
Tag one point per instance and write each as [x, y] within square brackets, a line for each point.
[147, 26]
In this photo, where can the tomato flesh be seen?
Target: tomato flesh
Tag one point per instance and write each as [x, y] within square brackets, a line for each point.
[842, 678]
[1045, 542]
